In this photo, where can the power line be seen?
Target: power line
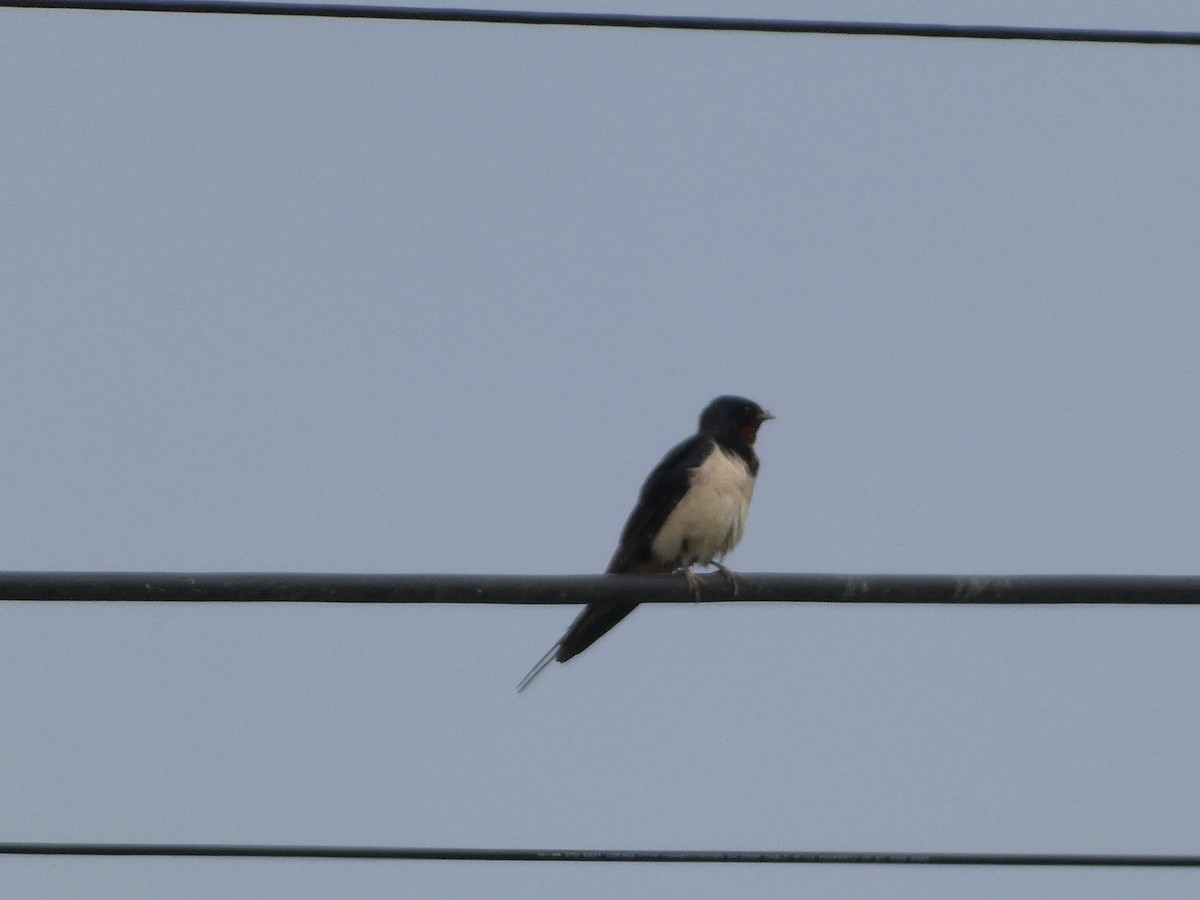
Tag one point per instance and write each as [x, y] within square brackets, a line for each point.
[623, 20]
[576, 589]
[300, 851]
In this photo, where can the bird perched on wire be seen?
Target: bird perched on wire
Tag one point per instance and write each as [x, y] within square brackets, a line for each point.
[691, 511]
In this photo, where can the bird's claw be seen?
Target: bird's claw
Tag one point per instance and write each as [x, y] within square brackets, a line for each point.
[693, 584]
[693, 581]
[733, 580]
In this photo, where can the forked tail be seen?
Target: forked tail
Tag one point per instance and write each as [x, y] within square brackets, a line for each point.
[537, 669]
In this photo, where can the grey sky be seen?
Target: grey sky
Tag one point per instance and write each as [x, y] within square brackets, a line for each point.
[376, 297]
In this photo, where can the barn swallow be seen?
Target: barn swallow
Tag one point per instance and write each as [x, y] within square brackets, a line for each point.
[691, 512]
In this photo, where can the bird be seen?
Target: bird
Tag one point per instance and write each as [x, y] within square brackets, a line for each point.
[691, 512]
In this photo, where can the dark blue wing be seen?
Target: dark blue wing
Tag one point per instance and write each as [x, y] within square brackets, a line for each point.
[661, 493]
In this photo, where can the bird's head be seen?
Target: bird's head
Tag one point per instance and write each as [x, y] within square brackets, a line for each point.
[733, 418]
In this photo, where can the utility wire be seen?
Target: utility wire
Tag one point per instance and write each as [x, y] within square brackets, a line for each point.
[623, 20]
[576, 589]
[298, 851]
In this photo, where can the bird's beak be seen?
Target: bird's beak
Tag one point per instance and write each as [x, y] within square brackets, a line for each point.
[765, 415]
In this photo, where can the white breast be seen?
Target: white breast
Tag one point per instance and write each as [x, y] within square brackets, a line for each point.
[711, 517]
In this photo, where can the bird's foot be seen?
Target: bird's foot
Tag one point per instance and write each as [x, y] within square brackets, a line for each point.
[730, 577]
[693, 583]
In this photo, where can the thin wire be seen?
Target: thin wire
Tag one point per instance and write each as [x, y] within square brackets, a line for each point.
[625, 20]
[299, 851]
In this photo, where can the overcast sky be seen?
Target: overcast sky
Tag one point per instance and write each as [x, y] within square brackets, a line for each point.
[353, 296]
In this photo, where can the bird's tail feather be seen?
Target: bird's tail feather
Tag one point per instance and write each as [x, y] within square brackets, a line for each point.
[591, 625]
[537, 669]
